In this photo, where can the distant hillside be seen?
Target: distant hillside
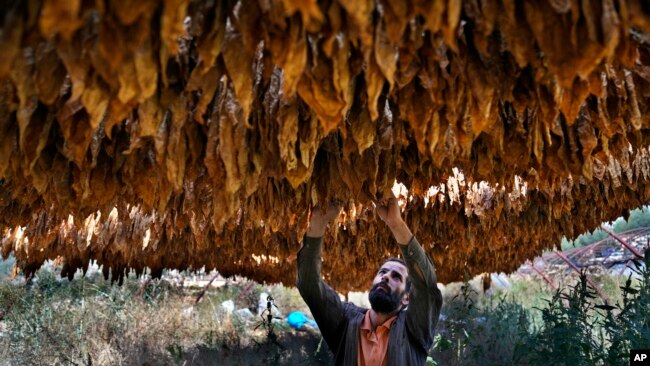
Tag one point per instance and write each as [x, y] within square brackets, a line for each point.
[636, 219]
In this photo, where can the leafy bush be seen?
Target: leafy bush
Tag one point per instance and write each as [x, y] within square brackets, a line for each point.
[479, 332]
[628, 323]
[569, 333]
[575, 331]
[575, 328]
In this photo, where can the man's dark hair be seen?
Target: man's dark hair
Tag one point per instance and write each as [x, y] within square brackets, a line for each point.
[407, 288]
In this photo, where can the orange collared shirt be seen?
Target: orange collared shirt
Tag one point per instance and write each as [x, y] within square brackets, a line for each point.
[373, 345]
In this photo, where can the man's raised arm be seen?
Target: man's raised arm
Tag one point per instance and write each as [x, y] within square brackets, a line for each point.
[425, 299]
[324, 303]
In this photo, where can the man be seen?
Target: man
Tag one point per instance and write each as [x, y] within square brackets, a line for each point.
[405, 301]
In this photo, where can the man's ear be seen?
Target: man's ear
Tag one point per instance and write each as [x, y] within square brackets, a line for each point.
[405, 298]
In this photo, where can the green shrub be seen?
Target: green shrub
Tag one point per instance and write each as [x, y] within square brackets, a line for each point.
[569, 332]
[574, 327]
[478, 331]
[628, 322]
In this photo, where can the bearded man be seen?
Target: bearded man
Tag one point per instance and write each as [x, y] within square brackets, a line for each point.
[405, 300]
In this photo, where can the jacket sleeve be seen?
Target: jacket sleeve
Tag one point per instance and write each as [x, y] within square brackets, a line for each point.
[325, 304]
[425, 299]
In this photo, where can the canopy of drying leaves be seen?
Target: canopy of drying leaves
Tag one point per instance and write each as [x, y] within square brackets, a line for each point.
[191, 133]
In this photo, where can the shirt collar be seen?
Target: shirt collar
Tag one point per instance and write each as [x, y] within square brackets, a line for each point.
[367, 323]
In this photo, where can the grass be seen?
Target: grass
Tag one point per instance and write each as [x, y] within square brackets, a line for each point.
[88, 321]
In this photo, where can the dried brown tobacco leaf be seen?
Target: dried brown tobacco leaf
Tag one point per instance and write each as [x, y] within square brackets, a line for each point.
[360, 13]
[171, 23]
[10, 38]
[210, 38]
[232, 147]
[60, 17]
[176, 154]
[8, 133]
[294, 58]
[180, 127]
[95, 100]
[206, 83]
[146, 70]
[239, 66]
[288, 135]
[374, 84]
[26, 94]
[49, 73]
[309, 10]
[325, 86]
[387, 34]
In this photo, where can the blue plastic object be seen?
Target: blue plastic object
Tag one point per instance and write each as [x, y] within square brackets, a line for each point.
[297, 319]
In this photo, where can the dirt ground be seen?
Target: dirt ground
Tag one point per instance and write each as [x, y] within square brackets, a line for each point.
[291, 348]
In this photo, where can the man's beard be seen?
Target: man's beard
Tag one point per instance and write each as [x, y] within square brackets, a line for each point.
[382, 301]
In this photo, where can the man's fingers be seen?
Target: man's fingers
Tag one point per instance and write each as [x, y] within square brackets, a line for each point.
[382, 211]
[333, 210]
[328, 213]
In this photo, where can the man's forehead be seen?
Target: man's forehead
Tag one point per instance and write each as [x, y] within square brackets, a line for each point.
[395, 266]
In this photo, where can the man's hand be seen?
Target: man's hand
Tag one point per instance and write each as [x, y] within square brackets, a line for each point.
[320, 219]
[391, 215]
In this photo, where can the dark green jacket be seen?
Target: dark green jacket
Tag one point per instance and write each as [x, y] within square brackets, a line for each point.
[411, 334]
